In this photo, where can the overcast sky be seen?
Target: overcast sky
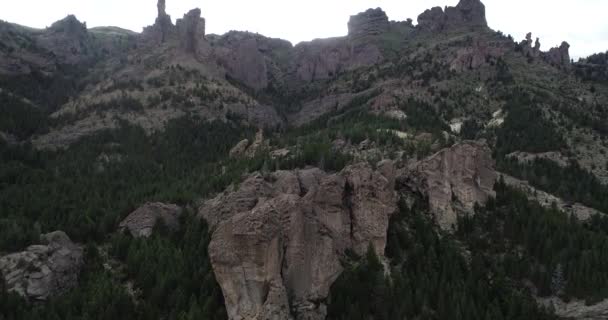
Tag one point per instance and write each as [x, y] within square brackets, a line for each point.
[583, 23]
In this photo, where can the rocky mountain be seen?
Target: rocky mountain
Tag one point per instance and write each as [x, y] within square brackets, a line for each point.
[437, 170]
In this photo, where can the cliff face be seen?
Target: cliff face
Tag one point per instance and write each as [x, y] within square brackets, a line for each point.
[279, 239]
[454, 180]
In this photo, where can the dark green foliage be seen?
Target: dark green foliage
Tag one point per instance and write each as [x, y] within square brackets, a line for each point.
[526, 128]
[470, 129]
[430, 279]
[423, 116]
[559, 254]
[174, 273]
[79, 192]
[571, 183]
[20, 118]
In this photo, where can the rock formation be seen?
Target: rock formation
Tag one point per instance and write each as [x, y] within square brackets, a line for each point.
[478, 54]
[526, 46]
[141, 222]
[45, 270]
[369, 23]
[244, 149]
[278, 239]
[191, 30]
[468, 13]
[454, 180]
[559, 56]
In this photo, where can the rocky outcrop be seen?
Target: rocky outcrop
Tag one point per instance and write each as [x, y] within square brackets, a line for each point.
[163, 27]
[245, 149]
[547, 200]
[480, 53]
[576, 309]
[453, 180]
[468, 13]
[191, 30]
[527, 47]
[45, 270]
[242, 57]
[559, 56]
[369, 23]
[278, 238]
[68, 39]
[141, 222]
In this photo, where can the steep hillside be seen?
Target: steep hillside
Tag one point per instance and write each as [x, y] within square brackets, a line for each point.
[438, 170]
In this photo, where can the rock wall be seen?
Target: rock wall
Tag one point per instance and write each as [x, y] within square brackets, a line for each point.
[369, 23]
[45, 270]
[278, 239]
[453, 179]
[468, 13]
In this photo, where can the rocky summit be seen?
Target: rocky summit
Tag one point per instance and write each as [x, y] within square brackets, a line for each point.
[428, 169]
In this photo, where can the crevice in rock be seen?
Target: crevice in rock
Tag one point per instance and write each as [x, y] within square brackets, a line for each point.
[347, 202]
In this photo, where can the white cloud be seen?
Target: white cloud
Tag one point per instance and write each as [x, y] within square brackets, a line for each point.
[582, 23]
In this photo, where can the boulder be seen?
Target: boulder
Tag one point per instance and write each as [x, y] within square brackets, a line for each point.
[453, 180]
[45, 270]
[278, 239]
[369, 23]
[141, 222]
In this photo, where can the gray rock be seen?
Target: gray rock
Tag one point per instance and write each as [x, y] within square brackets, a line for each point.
[468, 13]
[43, 271]
[191, 30]
[454, 180]
[278, 239]
[141, 222]
[369, 23]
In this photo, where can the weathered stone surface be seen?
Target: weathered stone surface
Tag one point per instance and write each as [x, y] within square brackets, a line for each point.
[163, 27]
[454, 180]
[478, 54]
[191, 30]
[559, 56]
[577, 310]
[369, 23]
[141, 222]
[45, 270]
[244, 149]
[242, 55]
[278, 239]
[468, 13]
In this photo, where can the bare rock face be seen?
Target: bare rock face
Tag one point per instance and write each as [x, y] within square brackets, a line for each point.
[45, 270]
[559, 56]
[163, 27]
[191, 30]
[478, 54]
[454, 180]
[369, 23]
[468, 13]
[141, 222]
[278, 239]
[68, 39]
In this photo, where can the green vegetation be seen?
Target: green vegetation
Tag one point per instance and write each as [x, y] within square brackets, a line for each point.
[526, 128]
[571, 183]
[88, 188]
[171, 270]
[430, 278]
[559, 254]
[174, 273]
